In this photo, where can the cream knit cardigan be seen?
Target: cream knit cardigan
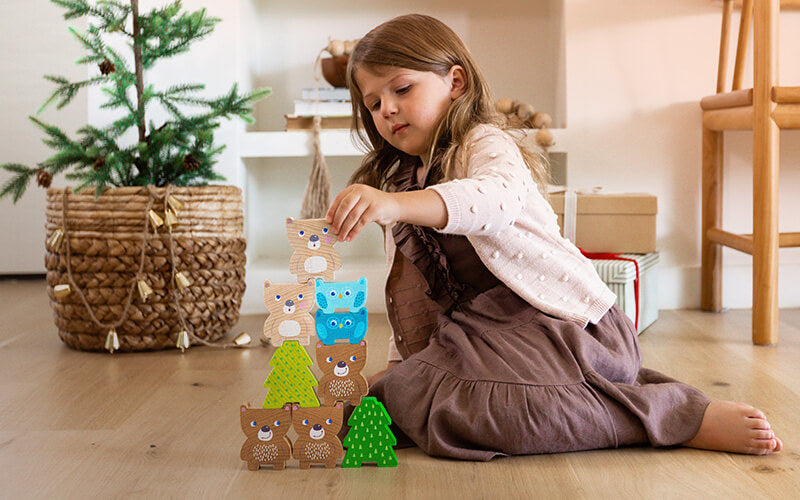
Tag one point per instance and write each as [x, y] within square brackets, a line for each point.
[497, 205]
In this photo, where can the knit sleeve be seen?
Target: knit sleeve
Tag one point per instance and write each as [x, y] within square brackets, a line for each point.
[490, 195]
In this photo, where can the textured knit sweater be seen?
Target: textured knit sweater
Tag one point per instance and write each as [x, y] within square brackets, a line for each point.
[495, 203]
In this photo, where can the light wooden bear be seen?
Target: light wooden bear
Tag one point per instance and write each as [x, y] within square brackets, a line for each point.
[289, 307]
[314, 255]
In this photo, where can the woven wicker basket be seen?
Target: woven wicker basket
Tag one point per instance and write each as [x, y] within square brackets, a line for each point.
[105, 237]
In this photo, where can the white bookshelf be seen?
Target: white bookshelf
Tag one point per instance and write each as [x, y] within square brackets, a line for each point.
[277, 45]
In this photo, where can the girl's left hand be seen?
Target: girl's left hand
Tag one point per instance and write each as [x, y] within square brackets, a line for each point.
[358, 205]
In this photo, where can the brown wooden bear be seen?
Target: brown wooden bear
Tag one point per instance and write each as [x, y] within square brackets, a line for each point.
[317, 441]
[314, 255]
[289, 307]
[266, 442]
[341, 365]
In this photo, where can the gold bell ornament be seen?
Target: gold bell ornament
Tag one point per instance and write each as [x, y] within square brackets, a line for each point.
[242, 339]
[173, 202]
[155, 220]
[55, 240]
[144, 290]
[183, 341]
[112, 341]
[171, 219]
[181, 281]
[61, 291]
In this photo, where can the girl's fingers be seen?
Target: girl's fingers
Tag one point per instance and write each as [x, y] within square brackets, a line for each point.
[335, 205]
[352, 219]
[366, 217]
[344, 207]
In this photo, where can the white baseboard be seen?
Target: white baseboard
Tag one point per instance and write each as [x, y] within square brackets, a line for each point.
[680, 286]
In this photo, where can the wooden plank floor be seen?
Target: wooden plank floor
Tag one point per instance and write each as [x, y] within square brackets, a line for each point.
[166, 424]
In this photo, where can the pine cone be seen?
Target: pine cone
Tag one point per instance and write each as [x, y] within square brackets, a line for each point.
[107, 67]
[99, 164]
[190, 163]
[43, 178]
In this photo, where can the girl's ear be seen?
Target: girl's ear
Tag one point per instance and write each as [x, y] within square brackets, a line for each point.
[458, 81]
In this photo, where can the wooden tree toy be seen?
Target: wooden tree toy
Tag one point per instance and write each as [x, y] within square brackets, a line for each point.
[266, 442]
[289, 307]
[317, 438]
[290, 380]
[369, 438]
[341, 365]
[314, 255]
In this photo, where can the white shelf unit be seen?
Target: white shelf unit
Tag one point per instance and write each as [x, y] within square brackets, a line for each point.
[278, 42]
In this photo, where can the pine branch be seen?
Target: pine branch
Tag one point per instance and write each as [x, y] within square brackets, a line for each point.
[16, 185]
[67, 90]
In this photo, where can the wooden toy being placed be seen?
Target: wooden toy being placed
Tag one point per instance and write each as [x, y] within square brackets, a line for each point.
[346, 326]
[369, 438]
[314, 255]
[266, 442]
[351, 295]
[341, 365]
[289, 307]
[317, 440]
[290, 380]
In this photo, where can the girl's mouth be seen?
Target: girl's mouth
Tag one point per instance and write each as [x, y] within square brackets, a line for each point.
[401, 129]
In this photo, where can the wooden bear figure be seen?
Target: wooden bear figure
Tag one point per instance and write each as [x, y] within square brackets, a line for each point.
[317, 440]
[289, 307]
[341, 365]
[266, 442]
[314, 256]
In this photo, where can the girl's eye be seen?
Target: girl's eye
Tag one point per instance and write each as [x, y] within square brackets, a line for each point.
[352, 358]
[329, 359]
[300, 296]
[404, 89]
[253, 424]
[301, 233]
[277, 423]
[376, 105]
[347, 293]
[277, 297]
[329, 421]
[305, 421]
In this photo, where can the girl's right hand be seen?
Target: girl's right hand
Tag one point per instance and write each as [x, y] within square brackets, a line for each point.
[356, 206]
[374, 378]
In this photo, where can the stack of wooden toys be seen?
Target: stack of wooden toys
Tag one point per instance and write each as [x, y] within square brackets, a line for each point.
[291, 401]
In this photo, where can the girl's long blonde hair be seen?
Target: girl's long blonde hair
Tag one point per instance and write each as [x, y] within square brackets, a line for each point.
[423, 43]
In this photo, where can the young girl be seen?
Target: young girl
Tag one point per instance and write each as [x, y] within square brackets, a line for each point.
[505, 340]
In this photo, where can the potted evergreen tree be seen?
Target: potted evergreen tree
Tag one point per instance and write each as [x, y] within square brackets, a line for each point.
[143, 253]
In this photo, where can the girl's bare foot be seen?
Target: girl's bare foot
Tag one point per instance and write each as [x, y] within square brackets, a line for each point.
[735, 427]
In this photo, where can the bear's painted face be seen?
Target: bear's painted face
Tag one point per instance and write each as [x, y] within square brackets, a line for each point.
[341, 360]
[265, 424]
[310, 234]
[289, 298]
[316, 423]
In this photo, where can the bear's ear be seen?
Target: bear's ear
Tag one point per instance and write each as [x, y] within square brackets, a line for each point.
[319, 345]
[244, 408]
[287, 407]
[338, 405]
[267, 283]
[295, 407]
[289, 220]
[362, 343]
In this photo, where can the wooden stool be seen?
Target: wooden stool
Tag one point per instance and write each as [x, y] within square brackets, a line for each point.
[765, 109]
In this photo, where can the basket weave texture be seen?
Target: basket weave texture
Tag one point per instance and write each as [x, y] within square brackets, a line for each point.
[106, 236]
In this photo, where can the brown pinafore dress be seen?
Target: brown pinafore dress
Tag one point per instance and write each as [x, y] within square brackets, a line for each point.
[486, 374]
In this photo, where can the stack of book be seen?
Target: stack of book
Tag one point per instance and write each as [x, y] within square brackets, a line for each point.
[332, 104]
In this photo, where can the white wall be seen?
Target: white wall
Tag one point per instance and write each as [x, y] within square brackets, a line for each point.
[635, 71]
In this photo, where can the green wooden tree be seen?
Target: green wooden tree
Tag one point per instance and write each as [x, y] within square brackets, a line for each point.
[369, 439]
[290, 380]
[179, 151]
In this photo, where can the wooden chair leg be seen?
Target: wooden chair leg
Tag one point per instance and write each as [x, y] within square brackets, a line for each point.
[711, 253]
[765, 175]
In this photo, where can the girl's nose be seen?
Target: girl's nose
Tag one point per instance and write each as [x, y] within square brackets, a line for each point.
[389, 108]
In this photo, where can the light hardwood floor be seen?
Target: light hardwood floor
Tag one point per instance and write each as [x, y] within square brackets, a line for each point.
[76, 424]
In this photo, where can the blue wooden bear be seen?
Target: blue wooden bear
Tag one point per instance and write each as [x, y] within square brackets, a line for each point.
[351, 295]
[346, 326]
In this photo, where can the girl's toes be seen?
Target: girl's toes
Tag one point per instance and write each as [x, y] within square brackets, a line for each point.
[763, 444]
[778, 445]
[761, 434]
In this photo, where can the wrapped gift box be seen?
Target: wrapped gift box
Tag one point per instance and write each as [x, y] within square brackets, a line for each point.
[612, 222]
[619, 275]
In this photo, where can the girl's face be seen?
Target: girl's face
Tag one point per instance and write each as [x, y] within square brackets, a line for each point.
[406, 104]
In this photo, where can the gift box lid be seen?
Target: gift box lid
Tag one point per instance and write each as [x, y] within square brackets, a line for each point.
[623, 271]
[621, 203]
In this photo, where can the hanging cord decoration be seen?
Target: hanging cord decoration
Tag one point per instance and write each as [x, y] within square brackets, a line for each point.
[318, 189]
[112, 340]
